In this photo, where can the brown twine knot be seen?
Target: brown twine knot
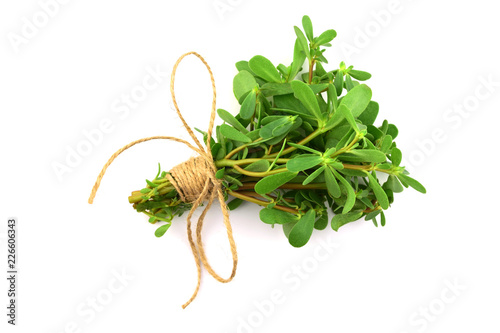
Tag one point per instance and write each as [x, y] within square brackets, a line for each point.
[189, 178]
[195, 182]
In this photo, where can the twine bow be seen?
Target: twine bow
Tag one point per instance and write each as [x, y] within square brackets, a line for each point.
[195, 182]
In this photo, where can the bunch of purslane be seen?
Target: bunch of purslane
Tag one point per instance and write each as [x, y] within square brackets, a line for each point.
[303, 144]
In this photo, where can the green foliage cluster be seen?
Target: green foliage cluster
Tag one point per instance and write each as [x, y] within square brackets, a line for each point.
[304, 144]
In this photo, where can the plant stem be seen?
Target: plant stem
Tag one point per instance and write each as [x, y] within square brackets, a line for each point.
[301, 142]
[235, 150]
[288, 186]
[367, 168]
[258, 174]
[239, 195]
[311, 69]
[347, 148]
[231, 163]
[137, 196]
[255, 194]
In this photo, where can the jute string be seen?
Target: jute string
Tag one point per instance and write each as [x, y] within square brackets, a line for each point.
[195, 182]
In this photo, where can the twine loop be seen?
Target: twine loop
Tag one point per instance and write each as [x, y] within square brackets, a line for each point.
[195, 182]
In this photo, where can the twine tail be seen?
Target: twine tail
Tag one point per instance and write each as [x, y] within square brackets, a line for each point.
[188, 178]
[121, 150]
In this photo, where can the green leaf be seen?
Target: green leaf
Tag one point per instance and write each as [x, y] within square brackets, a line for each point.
[331, 183]
[287, 228]
[243, 82]
[377, 133]
[351, 195]
[305, 94]
[243, 154]
[342, 219]
[367, 202]
[233, 134]
[314, 175]
[243, 66]
[230, 119]
[384, 166]
[348, 82]
[215, 150]
[161, 230]
[258, 166]
[326, 37]
[352, 173]
[348, 116]
[332, 98]
[320, 70]
[304, 148]
[318, 87]
[360, 75]
[392, 130]
[272, 182]
[266, 132]
[382, 219]
[282, 129]
[372, 215]
[291, 103]
[396, 156]
[248, 107]
[393, 184]
[283, 70]
[302, 41]
[274, 88]
[356, 100]
[264, 68]
[275, 216]
[386, 144]
[303, 162]
[339, 82]
[299, 57]
[150, 183]
[235, 203]
[370, 114]
[378, 191]
[302, 231]
[412, 182]
[232, 180]
[384, 127]
[365, 155]
[285, 88]
[220, 173]
[308, 28]
[321, 222]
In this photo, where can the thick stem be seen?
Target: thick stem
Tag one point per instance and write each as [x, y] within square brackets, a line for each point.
[311, 69]
[163, 189]
[261, 202]
[255, 194]
[367, 168]
[258, 174]
[288, 186]
[231, 163]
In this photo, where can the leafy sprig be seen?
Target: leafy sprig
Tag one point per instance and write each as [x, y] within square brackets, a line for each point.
[303, 145]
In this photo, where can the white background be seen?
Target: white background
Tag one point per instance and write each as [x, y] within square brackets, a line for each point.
[429, 59]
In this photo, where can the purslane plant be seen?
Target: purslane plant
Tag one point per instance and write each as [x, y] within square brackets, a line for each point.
[302, 143]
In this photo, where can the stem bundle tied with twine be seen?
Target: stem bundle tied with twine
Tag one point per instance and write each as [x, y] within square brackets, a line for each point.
[195, 182]
[303, 145]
